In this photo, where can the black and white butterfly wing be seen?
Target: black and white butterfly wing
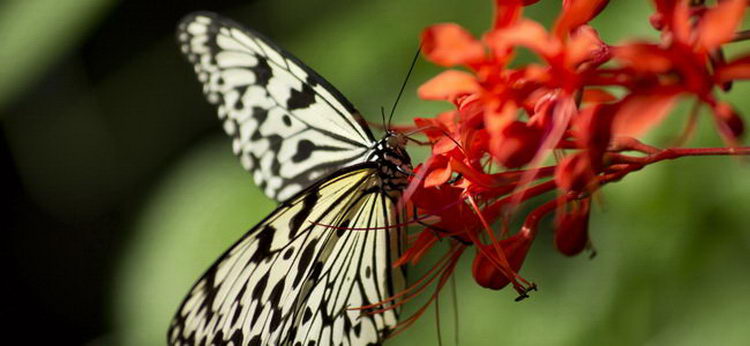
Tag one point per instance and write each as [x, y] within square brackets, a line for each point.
[293, 278]
[290, 126]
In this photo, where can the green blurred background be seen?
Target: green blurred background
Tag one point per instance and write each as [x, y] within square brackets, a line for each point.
[121, 188]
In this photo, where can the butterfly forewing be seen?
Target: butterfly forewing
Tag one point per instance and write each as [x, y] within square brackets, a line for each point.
[289, 126]
[295, 277]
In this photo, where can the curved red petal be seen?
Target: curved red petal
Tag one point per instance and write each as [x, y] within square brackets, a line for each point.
[719, 23]
[449, 85]
[449, 44]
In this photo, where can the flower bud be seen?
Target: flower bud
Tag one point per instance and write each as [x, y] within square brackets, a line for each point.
[571, 234]
[485, 268]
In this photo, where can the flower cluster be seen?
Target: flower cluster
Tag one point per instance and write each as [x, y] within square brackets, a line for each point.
[561, 124]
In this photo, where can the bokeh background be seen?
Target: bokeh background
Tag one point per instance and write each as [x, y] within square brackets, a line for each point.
[120, 188]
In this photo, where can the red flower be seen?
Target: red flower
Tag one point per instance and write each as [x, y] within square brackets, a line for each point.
[683, 62]
[580, 107]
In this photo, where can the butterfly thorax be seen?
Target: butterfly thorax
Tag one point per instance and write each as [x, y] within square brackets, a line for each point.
[395, 164]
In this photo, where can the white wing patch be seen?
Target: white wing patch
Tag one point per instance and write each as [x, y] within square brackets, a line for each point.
[293, 279]
[289, 126]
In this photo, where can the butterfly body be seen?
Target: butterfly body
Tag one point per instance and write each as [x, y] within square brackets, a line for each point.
[300, 276]
[394, 161]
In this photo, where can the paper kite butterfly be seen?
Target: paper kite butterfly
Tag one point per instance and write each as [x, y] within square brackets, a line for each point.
[297, 277]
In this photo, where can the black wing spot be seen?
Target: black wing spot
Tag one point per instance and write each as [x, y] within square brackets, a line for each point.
[304, 262]
[241, 293]
[347, 326]
[311, 81]
[304, 150]
[255, 341]
[308, 314]
[289, 252]
[368, 272]
[260, 287]
[239, 104]
[274, 145]
[296, 223]
[342, 228]
[275, 320]
[317, 269]
[218, 338]
[237, 337]
[265, 240]
[287, 120]
[275, 297]
[263, 72]
[258, 311]
[301, 99]
[260, 114]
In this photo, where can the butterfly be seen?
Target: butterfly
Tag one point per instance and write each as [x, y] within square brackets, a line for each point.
[299, 276]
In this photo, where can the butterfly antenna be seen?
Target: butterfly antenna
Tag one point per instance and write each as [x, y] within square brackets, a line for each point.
[403, 85]
[382, 116]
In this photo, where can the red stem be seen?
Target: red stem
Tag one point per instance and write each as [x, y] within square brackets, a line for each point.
[675, 153]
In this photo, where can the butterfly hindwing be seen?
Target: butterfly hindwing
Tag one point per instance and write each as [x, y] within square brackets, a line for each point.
[293, 278]
[289, 126]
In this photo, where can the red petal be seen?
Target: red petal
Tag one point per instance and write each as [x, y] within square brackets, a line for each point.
[571, 233]
[497, 121]
[597, 95]
[576, 13]
[436, 128]
[485, 270]
[638, 113]
[681, 22]
[517, 144]
[438, 176]
[447, 120]
[663, 15]
[443, 146]
[507, 12]
[485, 274]
[429, 127]
[418, 248]
[719, 23]
[435, 200]
[593, 129]
[643, 57]
[448, 85]
[475, 176]
[449, 44]
[574, 173]
[583, 45]
[525, 33]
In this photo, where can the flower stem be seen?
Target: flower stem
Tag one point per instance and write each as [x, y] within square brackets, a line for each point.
[740, 36]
